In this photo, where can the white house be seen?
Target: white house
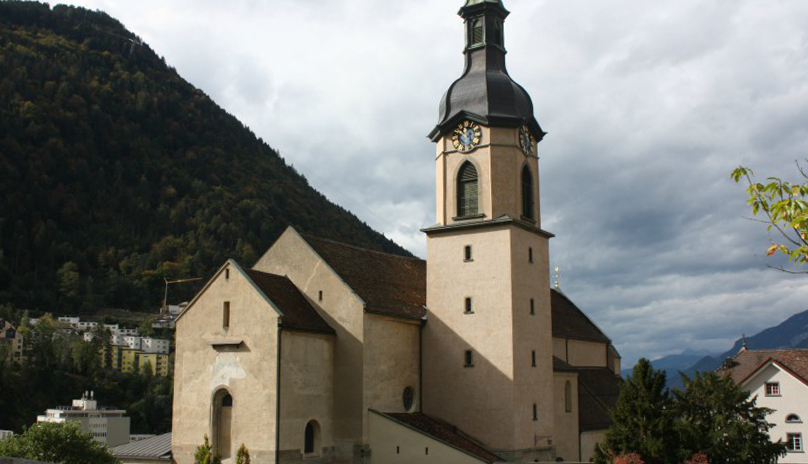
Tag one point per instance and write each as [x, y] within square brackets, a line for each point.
[107, 426]
[779, 379]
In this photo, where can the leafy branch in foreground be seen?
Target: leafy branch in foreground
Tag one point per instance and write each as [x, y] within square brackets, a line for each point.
[785, 208]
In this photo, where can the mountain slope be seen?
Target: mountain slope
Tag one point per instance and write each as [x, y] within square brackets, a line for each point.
[118, 173]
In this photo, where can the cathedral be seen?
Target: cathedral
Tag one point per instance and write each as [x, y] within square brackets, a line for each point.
[324, 352]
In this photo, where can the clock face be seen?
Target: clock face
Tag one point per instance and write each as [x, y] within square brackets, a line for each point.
[467, 136]
[526, 140]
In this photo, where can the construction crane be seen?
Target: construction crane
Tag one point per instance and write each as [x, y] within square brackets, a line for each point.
[165, 296]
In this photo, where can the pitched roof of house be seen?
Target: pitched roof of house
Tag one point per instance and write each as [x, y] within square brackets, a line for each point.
[571, 322]
[444, 432]
[747, 362]
[298, 313]
[158, 447]
[388, 284]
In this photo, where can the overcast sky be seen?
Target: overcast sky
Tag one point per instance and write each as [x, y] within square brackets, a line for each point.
[648, 106]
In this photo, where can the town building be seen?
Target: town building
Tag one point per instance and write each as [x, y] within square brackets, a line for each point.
[13, 340]
[126, 359]
[106, 425]
[6, 434]
[329, 353]
[149, 450]
[779, 381]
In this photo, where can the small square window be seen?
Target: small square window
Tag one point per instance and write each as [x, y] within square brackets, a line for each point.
[469, 359]
[468, 306]
[772, 389]
[467, 253]
[794, 441]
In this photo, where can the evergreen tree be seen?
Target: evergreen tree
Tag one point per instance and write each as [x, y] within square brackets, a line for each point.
[204, 454]
[720, 419]
[242, 455]
[642, 420]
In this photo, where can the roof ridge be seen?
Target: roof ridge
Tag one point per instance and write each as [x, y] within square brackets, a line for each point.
[347, 245]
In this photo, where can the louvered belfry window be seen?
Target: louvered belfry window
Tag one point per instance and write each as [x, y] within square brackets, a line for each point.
[477, 32]
[467, 191]
[527, 193]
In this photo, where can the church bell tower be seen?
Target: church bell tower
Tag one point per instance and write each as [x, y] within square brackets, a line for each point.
[487, 344]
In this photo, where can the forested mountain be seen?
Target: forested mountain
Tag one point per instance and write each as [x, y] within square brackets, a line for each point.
[117, 173]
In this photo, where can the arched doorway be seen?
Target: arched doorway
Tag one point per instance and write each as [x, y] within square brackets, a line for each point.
[222, 424]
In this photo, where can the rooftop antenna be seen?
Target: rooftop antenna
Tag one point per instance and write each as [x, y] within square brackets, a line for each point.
[743, 345]
[557, 284]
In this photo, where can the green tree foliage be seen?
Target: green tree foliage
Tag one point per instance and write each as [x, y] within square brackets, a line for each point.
[643, 420]
[720, 419]
[712, 421]
[62, 443]
[784, 207]
[204, 454]
[242, 455]
[115, 165]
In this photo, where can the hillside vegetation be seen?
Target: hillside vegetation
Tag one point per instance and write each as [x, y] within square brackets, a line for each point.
[118, 173]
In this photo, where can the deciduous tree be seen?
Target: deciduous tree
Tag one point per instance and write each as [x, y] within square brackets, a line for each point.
[784, 208]
[62, 443]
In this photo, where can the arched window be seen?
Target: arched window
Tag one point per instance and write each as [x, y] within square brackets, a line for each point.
[477, 31]
[467, 191]
[793, 418]
[527, 193]
[311, 438]
[568, 396]
[222, 423]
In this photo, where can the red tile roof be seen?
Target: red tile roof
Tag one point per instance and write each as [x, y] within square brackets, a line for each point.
[747, 362]
[388, 284]
[298, 313]
[445, 432]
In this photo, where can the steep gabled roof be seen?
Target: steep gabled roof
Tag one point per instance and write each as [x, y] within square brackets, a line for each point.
[388, 284]
[746, 363]
[293, 309]
[443, 432]
[297, 312]
[571, 322]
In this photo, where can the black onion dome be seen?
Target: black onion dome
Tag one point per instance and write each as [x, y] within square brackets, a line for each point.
[485, 93]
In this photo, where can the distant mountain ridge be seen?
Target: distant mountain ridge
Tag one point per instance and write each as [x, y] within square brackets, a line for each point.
[117, 173]
[791, 333]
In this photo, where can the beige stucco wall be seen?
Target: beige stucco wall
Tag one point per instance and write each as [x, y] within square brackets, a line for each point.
[586, 354]
[499, 175]
[248, 373]
[566, 423]
[588, 442]
[290, 255]
[392, 443]
[306, 394]
[493, 400]
[793, 399]
[391, 362]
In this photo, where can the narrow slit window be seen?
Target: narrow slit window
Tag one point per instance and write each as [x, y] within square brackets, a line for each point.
[227, 274]
[320, 295]
[568, 396]
[532, 307]
[467, 253]
[530, 255]
[469, 359]
[226, 315]
[468, 306]
[533, 358]
[535, 412]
